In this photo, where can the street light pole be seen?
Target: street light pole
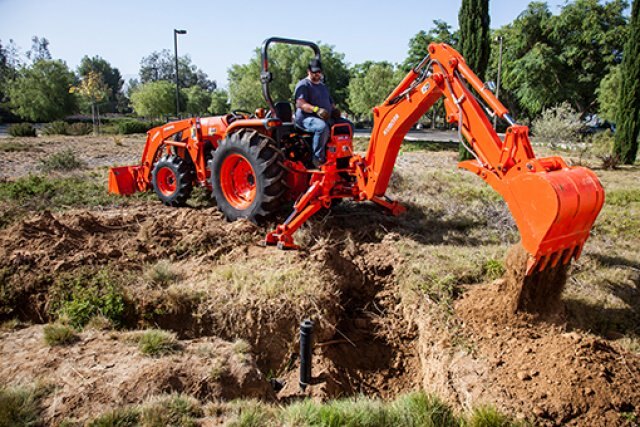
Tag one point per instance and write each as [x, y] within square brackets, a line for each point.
[175, 47]
[495, 118]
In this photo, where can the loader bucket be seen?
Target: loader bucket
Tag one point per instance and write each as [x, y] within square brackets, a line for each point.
[554, 211]
[124, 180]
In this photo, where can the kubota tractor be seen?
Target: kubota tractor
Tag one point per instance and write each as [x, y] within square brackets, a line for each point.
[254, 163]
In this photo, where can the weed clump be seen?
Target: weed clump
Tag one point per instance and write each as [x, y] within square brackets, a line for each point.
[162, 273]
[58, 334]
[65, 160]
[18, 407]
[156, 342]
[84, 296]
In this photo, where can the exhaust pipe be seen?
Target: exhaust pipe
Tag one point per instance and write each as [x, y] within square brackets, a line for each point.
[306, 347]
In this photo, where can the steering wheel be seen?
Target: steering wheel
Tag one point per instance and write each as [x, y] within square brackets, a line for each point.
[241, 114]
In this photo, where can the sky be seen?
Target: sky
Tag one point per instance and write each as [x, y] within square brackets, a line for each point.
[222, 33]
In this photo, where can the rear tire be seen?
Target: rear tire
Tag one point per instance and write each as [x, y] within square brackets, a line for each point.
[172, 180]
[247, 176]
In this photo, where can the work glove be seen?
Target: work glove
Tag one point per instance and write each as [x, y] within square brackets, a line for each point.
[336, 113]
[323, 114]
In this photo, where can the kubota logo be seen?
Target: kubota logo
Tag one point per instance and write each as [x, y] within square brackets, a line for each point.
[391, 124]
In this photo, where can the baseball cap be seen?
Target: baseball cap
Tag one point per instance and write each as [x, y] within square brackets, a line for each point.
[315, 65]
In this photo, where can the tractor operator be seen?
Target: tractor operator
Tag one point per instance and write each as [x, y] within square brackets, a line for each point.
[316, 111]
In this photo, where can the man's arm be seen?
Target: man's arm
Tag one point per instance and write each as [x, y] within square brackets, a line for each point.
[302, 104]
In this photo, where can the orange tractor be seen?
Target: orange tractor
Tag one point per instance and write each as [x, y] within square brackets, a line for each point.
[254, 164]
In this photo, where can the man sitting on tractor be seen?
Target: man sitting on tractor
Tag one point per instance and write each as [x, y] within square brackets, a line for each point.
[316, 111]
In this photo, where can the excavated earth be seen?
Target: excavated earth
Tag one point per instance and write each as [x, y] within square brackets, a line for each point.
[504, 343]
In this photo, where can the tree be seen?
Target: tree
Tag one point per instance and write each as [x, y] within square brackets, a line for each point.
[628, 114]
[370, 84]
[219, 102]
[474, 44]
[110, 75]
[608, 93]
[154, 99]
[198, 100]
[94, 89]
[41, 92]
[161, 66]
[419, 44]
[39, 49]
[288, 64]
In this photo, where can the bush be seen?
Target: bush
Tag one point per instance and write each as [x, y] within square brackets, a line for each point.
[156, 342]
[130, 126]
[22, 129]
[121, 417]
[65, 160]
[82, 297]
[18, 407]
[57, 334]
[558, 125]
[56, 128]
[77, 129]
[602, 148]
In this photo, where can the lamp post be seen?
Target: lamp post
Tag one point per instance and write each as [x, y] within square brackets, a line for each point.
[499, 39]
[175, 47]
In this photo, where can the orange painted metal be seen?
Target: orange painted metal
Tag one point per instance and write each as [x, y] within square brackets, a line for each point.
[238, 181]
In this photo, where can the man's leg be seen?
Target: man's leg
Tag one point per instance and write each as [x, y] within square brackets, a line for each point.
[320, 132]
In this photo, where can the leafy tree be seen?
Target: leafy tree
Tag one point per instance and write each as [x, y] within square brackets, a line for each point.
[608, 93]
[628, 113]
[110, 75]
[161, 66]
[288, 64]
[219, 102]
[39, 49]
[474, 44]
[41, 92]
[370, 84]
[419, 44]
[94, 89]
[154, 99]
[198, 100]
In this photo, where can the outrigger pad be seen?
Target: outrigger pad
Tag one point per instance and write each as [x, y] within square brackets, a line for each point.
[123, 180]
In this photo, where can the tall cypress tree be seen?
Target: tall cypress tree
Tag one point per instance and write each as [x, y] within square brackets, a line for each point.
[628, 114]
[475, 43]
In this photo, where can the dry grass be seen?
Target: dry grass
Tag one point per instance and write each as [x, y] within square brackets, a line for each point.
[156, 342]
[58, 334]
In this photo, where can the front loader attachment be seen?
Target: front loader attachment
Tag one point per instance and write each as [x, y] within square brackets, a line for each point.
[553, 205]
[124, 180]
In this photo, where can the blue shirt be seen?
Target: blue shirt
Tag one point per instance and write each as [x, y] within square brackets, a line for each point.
[314, 94]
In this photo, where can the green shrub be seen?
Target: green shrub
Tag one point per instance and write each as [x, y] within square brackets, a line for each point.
[172, 410]
[64, 160]
[58, 334]
[602, 148]
[18, 407]
[156, 342]
[22, 129]
[130, 126]
[81, 297]
[56, 128]
[78, 129]
[559, 124]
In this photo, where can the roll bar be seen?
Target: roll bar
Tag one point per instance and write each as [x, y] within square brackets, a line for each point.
[265, 75]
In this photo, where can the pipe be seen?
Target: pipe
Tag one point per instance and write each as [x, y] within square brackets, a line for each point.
[306, 347]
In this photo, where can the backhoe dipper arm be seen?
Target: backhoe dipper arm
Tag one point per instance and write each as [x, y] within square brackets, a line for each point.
[553, 205]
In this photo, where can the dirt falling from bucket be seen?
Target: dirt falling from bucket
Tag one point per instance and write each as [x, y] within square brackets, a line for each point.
[537, 294]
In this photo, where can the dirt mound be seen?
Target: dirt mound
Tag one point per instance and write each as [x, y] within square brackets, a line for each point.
[529, 368]
[538, 293]
[103, 371]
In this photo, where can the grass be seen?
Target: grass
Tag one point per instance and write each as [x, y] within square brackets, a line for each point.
[120, 417]
[16, 147]
[162, 273]
[64, 160]
[82, 295]
[156, 342]
[19, 407]
[57, 334]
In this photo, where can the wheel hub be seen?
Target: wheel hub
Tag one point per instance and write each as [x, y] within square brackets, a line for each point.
[238, 181]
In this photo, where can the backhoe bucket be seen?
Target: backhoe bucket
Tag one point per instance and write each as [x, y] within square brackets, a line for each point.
[124, 180]
[554, 211]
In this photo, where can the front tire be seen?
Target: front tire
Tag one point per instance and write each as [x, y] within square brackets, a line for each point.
[172, 180]
[247, 176]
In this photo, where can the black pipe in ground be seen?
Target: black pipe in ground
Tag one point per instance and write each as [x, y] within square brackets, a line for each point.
[306, 347]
